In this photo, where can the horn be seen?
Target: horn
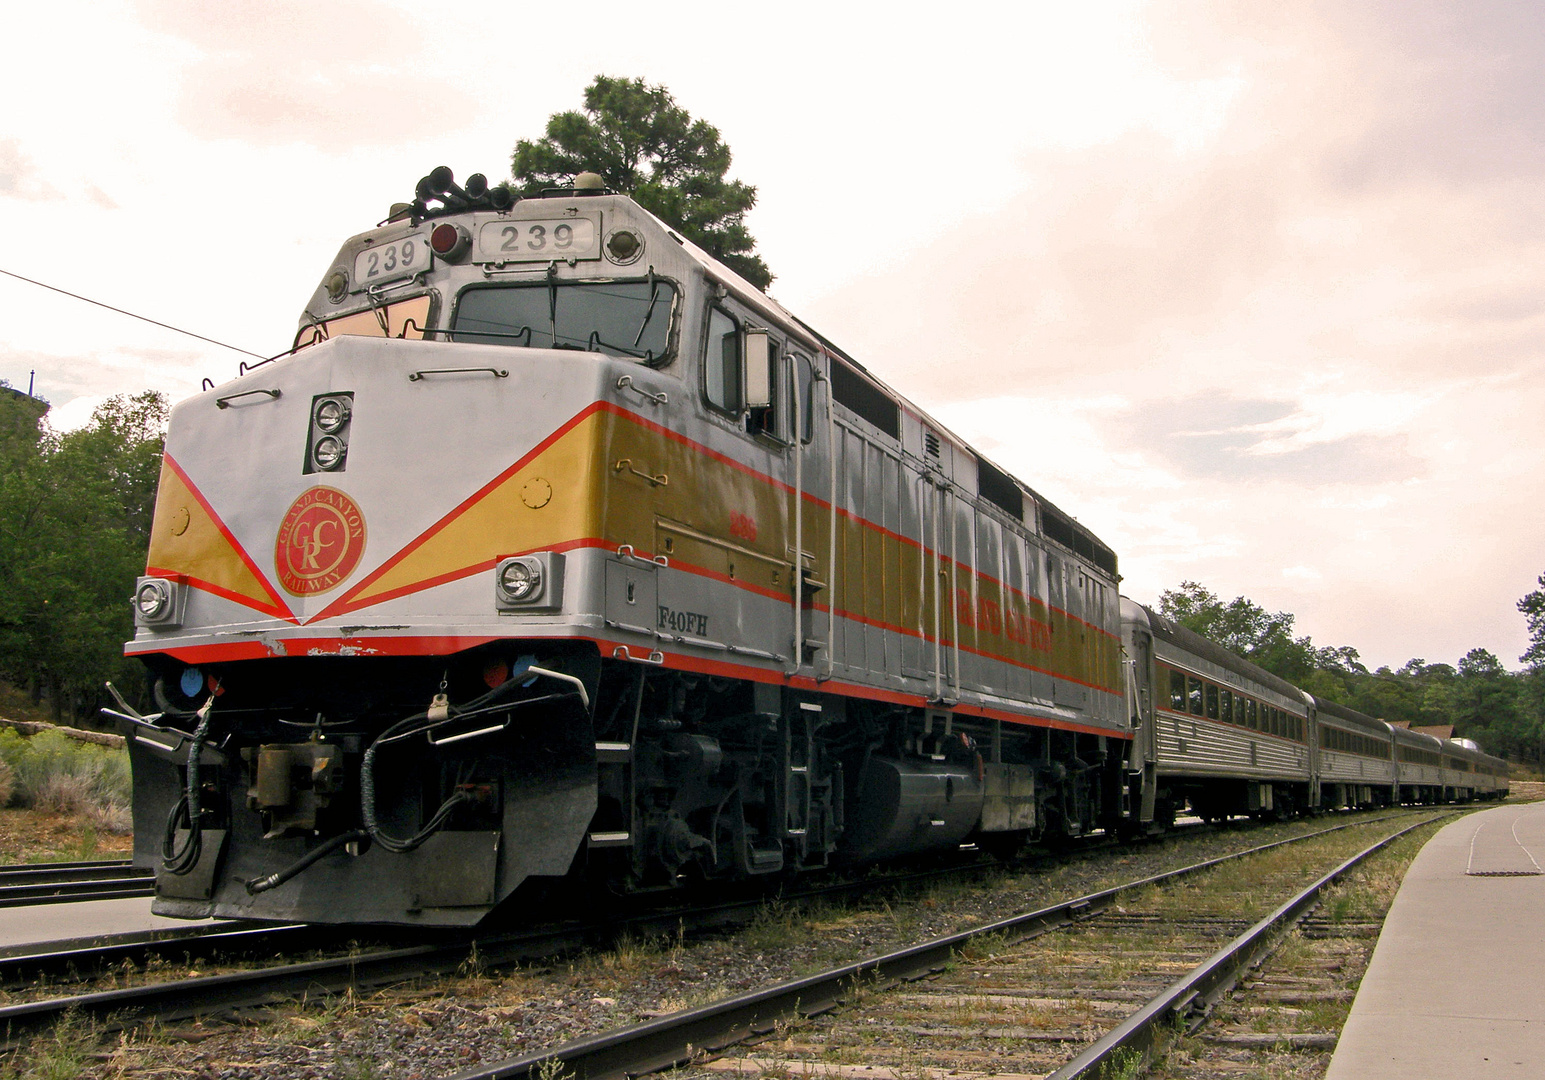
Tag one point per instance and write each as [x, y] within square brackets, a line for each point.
[445, 183]
[477, 185]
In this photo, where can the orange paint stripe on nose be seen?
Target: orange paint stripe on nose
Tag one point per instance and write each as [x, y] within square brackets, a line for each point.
[188, 537]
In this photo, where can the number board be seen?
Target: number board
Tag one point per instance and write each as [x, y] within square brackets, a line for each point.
[538, 241]
[401, 258]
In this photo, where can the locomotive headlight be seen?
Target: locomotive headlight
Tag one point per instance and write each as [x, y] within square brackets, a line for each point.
[331, 414]
[525, 582]
[152, 599]
[327, 453]
[156, 602]
[520, 580]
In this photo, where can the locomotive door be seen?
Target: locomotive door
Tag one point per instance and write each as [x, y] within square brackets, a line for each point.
[873, 590]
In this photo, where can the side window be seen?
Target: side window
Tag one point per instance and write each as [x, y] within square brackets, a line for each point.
[1177, 691]
[1252, 720]
[1226, 711]
[1212, 702]
[721, 362]
[1194, 695]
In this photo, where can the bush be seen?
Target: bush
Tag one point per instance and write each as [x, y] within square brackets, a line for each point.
[56, 774]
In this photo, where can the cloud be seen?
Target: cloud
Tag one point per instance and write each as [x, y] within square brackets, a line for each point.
[334, 76]
[20, 177]
[1299, 360]
[1216, 437]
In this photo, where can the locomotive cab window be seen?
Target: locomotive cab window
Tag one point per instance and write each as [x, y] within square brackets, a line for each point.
[401, 319]
[620, 318]
[721, 362]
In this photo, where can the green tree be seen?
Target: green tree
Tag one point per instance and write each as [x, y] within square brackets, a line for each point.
[648, 147]
[1247, 629]
[1533, 607]
[75, 515]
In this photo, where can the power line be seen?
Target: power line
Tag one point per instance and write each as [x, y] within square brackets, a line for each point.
[130, 314]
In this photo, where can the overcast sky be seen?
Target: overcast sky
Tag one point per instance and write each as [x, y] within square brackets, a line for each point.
[1256, 291]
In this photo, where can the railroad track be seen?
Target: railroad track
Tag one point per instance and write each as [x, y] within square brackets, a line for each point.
[53, 883]
[366, 965]
[960, 991]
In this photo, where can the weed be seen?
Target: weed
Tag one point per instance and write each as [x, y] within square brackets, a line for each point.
[60, 1055]
[552, 1069]
[1124, 1064]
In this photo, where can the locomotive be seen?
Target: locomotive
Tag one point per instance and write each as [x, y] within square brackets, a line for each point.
[555, 550]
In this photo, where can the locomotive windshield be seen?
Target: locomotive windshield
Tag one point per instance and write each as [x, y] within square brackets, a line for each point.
[403, 319]
[623, 318]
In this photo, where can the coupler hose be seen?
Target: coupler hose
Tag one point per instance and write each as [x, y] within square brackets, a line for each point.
[187, 808]
[321, 851]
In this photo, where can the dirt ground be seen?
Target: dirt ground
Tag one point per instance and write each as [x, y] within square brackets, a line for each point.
[29, 836]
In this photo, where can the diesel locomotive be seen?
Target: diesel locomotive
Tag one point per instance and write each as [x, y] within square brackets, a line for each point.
[553, 549]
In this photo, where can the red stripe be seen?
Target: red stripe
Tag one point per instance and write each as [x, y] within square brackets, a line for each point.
[428, 645]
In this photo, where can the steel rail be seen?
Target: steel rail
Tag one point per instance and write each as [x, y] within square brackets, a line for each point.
[208, 994]
[675, 1039]
[1191, 998]
[48, 883]
[80, 958]
[107, 865]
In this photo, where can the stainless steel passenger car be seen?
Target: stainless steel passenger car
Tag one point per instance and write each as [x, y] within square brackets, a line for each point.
[1214, 731]
[1356, 757]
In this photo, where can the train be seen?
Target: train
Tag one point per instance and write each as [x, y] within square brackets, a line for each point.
[553, 551]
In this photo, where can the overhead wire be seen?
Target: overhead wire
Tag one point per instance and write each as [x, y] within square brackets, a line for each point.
[130, 314]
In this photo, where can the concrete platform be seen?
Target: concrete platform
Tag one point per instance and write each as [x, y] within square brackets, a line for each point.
[1456, 986]
[89, 918]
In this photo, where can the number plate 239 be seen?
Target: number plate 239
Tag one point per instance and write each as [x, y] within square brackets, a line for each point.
[390, 262]
[507, 241]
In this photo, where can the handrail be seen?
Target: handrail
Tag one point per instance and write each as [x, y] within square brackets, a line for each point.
[498, 373]
[225, 402]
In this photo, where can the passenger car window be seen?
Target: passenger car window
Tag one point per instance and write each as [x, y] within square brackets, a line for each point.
[1226, 707]
[1194, 693]
[1212, 702]
[721, 362]
[1177, 691]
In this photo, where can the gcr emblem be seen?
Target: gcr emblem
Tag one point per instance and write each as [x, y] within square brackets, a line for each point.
[320, 541]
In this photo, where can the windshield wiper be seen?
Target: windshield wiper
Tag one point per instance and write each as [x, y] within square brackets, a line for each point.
[595, 344]
[654, 292]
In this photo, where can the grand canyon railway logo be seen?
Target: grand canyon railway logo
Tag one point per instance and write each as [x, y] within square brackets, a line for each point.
[320, 541]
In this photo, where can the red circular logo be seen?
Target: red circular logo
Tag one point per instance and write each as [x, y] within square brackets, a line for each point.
[320, 541]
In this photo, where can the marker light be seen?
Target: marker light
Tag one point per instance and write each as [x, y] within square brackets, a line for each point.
[623, 246]
[451, 242]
